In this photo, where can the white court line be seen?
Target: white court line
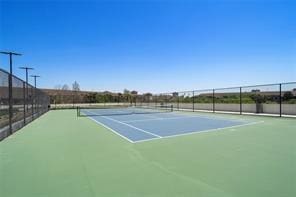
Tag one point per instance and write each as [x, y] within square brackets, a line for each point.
[131, 126]
[197, 132]
[147, 115]
[110, 129]
[144, 120]
[98, 114]
[214, 116]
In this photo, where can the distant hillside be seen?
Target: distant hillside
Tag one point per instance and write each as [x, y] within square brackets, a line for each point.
[68, 96]
[64, 92]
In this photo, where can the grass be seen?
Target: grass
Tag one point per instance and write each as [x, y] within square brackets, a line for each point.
[62, 155]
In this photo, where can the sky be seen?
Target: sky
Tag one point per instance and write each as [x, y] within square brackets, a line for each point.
[151, 46]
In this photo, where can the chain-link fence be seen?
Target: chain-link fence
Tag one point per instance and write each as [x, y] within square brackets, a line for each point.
[269, 99]
[74, 99]
[272, 99]
[19, 107]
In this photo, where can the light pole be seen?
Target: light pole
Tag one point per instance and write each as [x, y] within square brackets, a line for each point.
[35, 85]
[10, 86]
[27, 89]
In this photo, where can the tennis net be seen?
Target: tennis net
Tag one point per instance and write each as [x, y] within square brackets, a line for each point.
[110, 110]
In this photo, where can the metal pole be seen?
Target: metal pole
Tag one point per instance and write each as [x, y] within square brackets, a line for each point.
[178, 102]
[193, 101]
[34, 96]
[27, 82]
[213, 100]
[10, 95]
[73, 99]
[27, 89]
[24, 98]
[280, 100]
[142, 100]
[10, 88]
[240, 101]
[32, 104]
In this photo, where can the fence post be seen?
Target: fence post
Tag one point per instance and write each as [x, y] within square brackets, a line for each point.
[142, 100]
[10, 102]
[37, 104]
[240, 101]
[193, 101]
[213, 100]
[32, 104]
[34, 100]
[178, 102]
[280, 100]
[24, 100]
[72, 99]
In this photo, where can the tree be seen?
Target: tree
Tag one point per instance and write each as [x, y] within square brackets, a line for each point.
[257, 98]
[119, 97]
[57, 95]
[127, 95]
[75, 86]
[147, 97]
[65, 87]
[148, 94]
[133, 98]
[287, 96]
[175, 94]
[100, 98]
[76, 89]
[134, 92]
[255, 90]
[90, 97]
[126, 92]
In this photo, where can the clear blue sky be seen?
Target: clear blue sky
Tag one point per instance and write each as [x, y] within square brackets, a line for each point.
[152, 46]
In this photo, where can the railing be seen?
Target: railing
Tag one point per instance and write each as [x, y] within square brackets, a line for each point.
[21, 106]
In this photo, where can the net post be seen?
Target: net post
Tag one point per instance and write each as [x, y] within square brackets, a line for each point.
[77, 111]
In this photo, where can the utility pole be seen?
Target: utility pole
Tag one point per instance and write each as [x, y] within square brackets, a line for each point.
[10, 87]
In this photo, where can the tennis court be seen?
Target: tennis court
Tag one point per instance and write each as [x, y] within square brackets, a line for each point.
[138, 124]
[60, 154]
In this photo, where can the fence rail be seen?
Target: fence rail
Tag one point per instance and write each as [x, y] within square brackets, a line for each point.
[19, 104]
[270, 99]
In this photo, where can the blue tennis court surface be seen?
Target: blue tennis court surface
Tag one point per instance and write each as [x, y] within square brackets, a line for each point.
[144, 127]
